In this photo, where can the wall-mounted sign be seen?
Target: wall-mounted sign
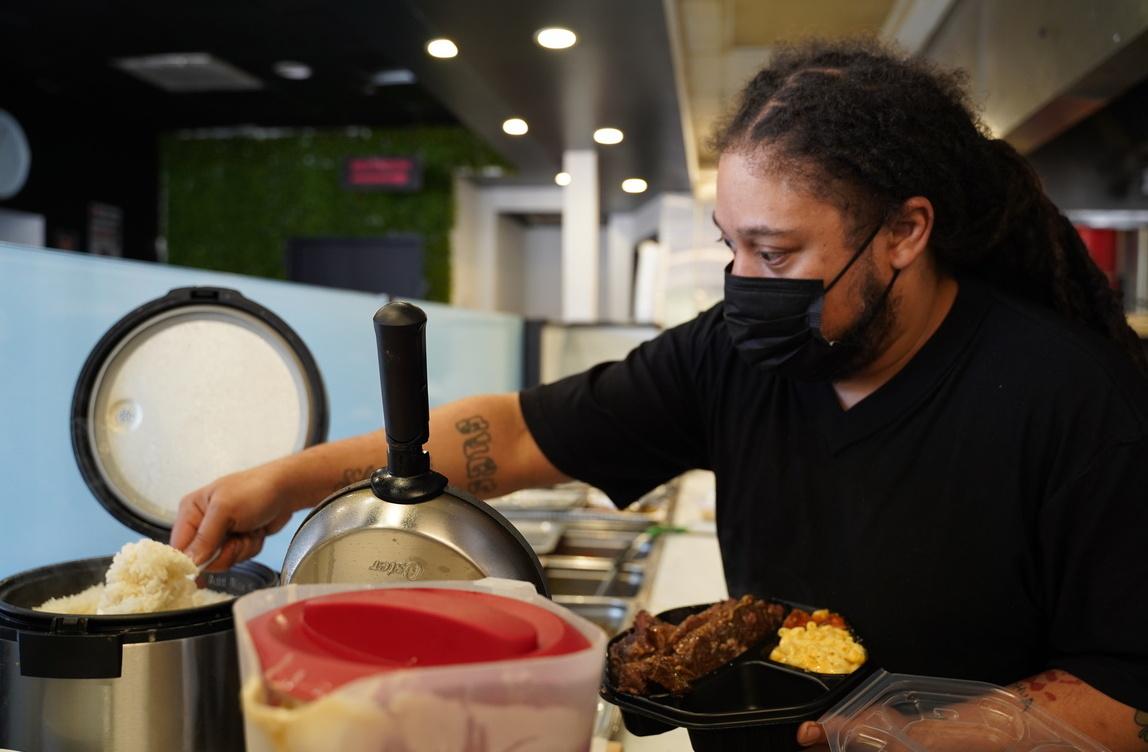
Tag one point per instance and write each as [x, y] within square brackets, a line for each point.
[384, 173]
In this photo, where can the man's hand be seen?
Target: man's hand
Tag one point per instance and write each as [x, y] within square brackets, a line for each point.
[236, 511]
[1066, 698]
[1063, 696]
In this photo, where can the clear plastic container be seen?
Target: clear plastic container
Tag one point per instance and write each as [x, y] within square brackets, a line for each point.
[540, 704]
[906, 713]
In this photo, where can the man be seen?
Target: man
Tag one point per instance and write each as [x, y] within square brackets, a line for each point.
[919, 396]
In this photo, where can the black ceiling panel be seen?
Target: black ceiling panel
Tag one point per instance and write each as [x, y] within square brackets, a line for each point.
[56, 58]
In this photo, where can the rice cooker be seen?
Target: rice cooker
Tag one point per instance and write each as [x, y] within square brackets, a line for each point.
[182, 390]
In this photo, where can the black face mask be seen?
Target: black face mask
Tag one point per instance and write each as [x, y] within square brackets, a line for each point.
[776, 323]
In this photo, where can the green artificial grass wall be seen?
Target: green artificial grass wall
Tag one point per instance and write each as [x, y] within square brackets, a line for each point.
[231, 203]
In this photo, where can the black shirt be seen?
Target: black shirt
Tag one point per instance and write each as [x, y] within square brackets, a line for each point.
[982, 515]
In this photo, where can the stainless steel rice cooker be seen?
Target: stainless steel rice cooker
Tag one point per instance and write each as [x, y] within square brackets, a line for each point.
[185, 388]
[406, 523]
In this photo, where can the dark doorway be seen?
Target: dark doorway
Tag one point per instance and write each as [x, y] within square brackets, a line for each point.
[391, 264]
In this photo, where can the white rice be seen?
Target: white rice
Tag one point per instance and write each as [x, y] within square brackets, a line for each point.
[144, 577]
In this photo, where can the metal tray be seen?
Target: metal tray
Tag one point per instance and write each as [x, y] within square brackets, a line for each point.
[542, 535]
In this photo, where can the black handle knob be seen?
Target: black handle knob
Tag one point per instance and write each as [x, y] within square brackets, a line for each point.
[400, 329]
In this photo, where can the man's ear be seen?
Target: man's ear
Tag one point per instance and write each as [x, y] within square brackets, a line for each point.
[907, 232]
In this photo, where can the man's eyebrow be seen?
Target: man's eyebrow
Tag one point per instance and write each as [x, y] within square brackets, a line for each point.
[754, 231]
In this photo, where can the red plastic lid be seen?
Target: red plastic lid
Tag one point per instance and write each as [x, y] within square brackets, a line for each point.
[309, 648]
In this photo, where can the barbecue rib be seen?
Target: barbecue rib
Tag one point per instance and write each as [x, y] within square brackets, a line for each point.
[659, 654]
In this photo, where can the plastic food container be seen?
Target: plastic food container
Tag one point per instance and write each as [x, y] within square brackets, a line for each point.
[905, 713]
[750, 703]
[442, 666]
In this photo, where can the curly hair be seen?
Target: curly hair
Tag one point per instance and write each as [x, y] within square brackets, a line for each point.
[868, 128]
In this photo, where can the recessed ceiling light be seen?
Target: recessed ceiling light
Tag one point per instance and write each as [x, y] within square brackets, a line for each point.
[555, 38]
[634, 185]
[442, 48]
[562, 179]
[608, 136]
[188, 72]
[393, 77]
[515, 127]
[292, 70]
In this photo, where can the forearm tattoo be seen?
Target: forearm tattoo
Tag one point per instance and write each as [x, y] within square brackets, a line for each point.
[480, 466]
[1043, 686]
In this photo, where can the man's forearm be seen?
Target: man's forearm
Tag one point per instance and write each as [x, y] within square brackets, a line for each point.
[480, 444]
[1062, 695]
[310, 476]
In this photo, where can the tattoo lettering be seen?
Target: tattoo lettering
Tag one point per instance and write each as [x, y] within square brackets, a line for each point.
[480, 466]
[482, 487]
[472, 425]
[476, 444]
[354, 475]
[1141, 720]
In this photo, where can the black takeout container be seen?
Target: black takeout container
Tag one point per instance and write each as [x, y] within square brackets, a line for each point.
[750, 703]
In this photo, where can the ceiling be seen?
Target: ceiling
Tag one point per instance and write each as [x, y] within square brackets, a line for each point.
[725, 42]
[661, 70]
[56, 62]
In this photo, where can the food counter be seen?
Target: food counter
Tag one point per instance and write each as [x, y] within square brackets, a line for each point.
[689, 571]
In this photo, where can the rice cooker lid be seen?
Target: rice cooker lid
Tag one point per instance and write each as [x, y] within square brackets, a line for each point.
[187, 388]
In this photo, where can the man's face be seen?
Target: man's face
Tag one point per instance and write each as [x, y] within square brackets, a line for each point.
[775, 228]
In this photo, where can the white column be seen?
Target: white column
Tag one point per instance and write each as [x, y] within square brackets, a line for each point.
[464, 244]
[650, 282]
[580, 230]
[618, 276]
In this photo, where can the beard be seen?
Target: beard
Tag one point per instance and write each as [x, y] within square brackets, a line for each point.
[865, 339]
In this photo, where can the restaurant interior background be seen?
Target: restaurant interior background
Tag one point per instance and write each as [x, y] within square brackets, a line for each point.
[317, 156]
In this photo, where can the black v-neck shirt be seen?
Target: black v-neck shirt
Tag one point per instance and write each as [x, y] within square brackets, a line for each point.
[982, 515]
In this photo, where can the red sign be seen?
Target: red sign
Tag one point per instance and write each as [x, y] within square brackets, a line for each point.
[384, 173]
[1101, 246]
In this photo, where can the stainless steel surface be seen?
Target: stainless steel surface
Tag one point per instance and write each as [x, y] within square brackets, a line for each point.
[574, 577]
[607, 721]
[606, 519]
[173, 695]
[542, 535]
[590, 540]
[541, 499]
[178, 683]
[611, 614]
[1039, 66]
[593, 578]
[357, 537]
[640, 542]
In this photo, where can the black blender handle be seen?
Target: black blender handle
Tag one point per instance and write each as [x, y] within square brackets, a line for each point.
[400, 330]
